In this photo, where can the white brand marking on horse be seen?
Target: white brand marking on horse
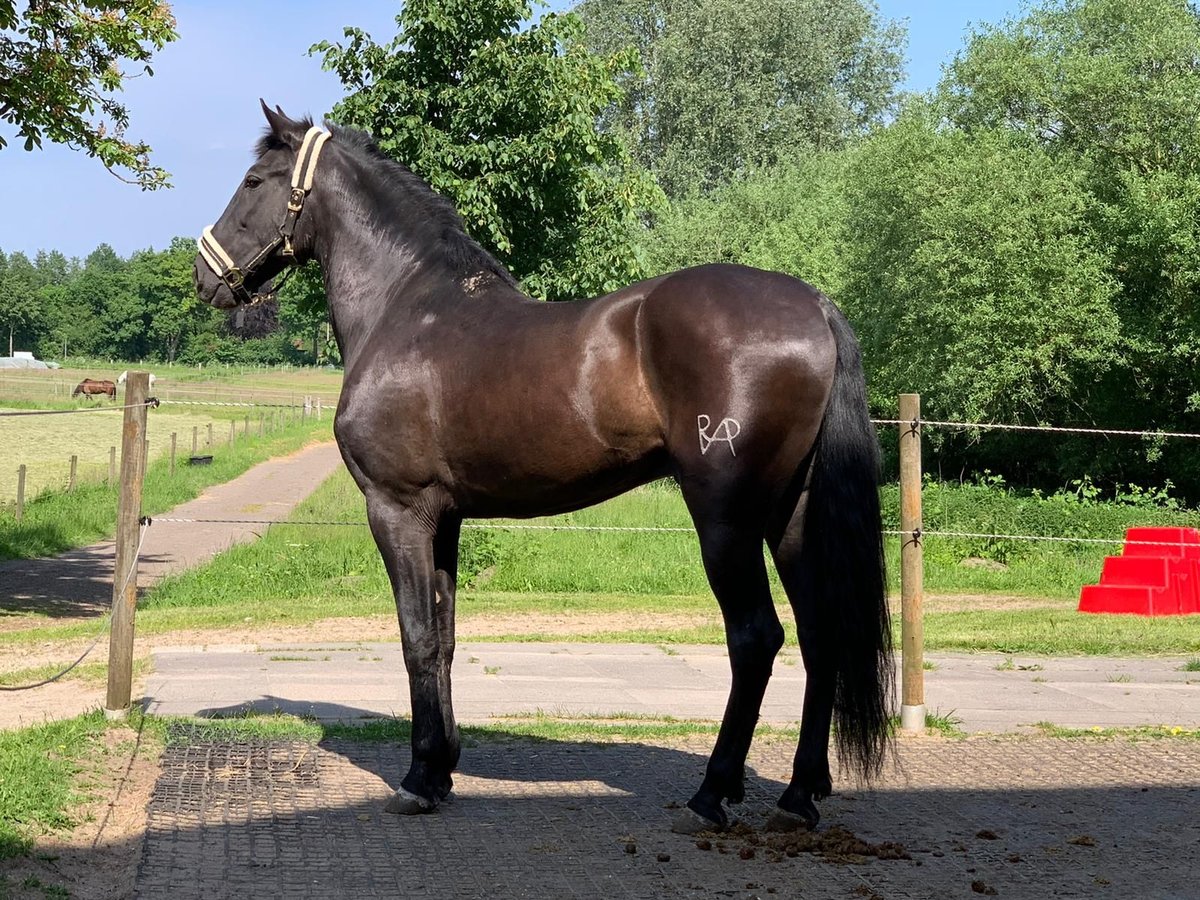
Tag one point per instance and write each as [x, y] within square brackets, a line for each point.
[725, 431]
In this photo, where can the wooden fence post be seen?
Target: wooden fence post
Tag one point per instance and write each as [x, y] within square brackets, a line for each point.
[74, 472]
[20, 492]
[112, 466]
[246, 427]
[195, 437]
[912, 577]
[260, 424]
[232, 427]
[129, 508]
[173, 436]
[210, 440]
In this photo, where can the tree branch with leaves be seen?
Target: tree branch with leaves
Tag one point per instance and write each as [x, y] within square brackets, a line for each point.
[61, 69]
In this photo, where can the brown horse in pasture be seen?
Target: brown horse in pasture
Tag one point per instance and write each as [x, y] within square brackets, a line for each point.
[464, 398]
[90, 387]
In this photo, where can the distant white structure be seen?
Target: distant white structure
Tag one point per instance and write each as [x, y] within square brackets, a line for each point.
[22, 359]
[121, 378]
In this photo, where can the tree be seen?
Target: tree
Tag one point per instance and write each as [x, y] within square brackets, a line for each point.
[503, 119]
[162, 283]
[60, 64]
[789, 219]
[20, 307]
[1110, 89]
[974, 278]
[303, 311]
[727, 86]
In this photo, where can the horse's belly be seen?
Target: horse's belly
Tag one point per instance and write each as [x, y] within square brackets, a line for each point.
[509, 489]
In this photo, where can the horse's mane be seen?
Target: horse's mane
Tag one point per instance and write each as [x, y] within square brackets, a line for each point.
[411, 194]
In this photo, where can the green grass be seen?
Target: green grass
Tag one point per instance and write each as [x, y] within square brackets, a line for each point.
[945, 724]
[1140, 733]
[1192, 665]
[501, 561]
[58, 521]
[536, 725]
[299, 574]
[39, 769]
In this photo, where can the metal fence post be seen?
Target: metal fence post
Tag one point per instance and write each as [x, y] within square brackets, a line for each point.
[912, 588]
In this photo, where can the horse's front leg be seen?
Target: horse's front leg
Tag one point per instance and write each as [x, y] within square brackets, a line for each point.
[406, 540]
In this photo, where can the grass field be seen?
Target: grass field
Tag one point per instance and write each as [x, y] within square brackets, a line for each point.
[279, 384]
[45, 444]
[646, 587]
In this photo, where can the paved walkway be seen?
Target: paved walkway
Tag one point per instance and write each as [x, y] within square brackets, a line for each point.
[986, 692]
[1016, 818]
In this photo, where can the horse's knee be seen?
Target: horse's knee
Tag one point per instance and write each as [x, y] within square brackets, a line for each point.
[753, 646]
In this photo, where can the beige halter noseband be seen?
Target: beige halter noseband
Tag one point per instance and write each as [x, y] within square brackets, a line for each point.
[216, 257]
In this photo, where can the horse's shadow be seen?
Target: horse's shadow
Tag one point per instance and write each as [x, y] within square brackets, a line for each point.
[380, 746]
[74, 584]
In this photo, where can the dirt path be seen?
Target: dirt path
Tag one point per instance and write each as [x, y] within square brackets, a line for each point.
[78, 584]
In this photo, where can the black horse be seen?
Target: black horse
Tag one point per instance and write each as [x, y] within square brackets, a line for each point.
[465, 398]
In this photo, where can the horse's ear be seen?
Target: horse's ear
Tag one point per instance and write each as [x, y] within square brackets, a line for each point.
[287, 130]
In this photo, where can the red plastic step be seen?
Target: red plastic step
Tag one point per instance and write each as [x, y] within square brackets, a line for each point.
[1186, 541]
[1158, 574]
[1128, 598]
[1148, 571]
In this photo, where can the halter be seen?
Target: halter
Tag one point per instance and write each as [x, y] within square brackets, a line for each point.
[233, 276]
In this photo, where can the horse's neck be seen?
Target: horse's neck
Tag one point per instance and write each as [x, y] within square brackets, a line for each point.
[375, 271]
[369, 270]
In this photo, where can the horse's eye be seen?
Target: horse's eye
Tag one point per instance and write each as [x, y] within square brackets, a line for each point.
[253, 181]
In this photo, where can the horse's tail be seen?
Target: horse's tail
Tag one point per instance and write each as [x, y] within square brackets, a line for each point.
[843, 543]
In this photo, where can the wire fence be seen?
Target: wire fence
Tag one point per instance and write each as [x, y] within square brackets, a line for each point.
[1049, 429]
[151, 402]
[913, 536]
[669, 529]
[82, 448]
[918, 534]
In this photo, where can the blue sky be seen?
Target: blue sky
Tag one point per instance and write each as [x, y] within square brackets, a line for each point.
[200, 114]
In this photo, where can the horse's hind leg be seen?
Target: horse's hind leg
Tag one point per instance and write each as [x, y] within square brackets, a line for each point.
[811, 777]
[732, 548]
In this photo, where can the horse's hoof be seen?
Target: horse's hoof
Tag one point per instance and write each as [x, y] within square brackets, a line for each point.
[406, 803]
[784, 820]
[691, 822]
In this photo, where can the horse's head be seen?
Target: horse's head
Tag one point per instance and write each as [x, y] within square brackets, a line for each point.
[261, 231]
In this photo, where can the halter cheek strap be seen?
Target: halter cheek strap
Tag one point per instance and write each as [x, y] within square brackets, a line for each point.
[219, 260]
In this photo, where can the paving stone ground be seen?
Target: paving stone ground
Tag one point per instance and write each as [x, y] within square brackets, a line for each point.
[1023, 817]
